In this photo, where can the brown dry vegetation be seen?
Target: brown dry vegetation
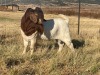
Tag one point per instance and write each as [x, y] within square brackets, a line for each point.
[45, 60]
[84, 12]
[91, 11]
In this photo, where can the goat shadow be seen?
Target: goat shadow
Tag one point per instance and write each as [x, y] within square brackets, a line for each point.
[78, 43]
[48, 26]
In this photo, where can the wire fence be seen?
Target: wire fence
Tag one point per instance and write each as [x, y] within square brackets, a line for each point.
[67, 8]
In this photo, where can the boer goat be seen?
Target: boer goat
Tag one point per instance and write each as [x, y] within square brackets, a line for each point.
[31, 24]
[56, 28]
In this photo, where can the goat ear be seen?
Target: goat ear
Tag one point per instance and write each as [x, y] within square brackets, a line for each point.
[33, 18]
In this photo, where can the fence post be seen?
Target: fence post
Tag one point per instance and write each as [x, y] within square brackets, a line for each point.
[79, 18]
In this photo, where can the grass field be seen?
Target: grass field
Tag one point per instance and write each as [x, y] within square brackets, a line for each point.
[45, 60]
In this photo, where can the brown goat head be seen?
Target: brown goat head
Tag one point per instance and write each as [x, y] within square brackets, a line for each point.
[29, 22]
[31, 14]
[36, 15]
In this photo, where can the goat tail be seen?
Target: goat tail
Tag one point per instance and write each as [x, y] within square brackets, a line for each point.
[64, 17]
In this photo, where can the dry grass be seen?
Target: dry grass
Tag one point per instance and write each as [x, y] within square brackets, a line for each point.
[45, 60]
[85, 11]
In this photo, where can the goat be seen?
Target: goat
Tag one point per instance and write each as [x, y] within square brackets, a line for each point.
[32, 24]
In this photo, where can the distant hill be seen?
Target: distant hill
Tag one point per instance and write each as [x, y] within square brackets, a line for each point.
[50, 2]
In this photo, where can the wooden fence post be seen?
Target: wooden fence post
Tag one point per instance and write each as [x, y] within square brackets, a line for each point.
[79, 18]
